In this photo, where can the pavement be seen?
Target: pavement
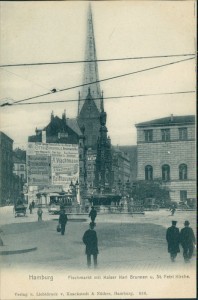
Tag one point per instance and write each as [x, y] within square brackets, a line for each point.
[125, 241]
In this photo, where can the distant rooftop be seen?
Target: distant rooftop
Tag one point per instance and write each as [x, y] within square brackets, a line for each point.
[18, 160]
[169, 121]
[3, 135]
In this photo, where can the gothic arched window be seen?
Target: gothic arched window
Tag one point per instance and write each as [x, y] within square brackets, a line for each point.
[166, 172]
[183, 174]
[148, 172]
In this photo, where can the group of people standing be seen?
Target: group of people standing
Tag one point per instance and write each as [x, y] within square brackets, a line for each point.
[185, 237]
[174, 238]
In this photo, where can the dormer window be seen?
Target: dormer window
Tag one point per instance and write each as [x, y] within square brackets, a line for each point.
[62, 135]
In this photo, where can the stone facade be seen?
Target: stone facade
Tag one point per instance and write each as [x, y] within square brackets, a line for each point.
[166, 150]
[131, 152]
[6, 167]
[121, 170]
[19, 164]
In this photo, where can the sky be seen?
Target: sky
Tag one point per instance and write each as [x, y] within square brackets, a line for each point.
[52, 31]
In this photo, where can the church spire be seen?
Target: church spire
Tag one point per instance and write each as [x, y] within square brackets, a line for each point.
[90, 68]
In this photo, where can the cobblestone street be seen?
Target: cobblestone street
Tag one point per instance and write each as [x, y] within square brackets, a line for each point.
[125, 241]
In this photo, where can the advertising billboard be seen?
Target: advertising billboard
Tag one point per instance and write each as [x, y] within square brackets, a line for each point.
[39, 170]
[52, 164]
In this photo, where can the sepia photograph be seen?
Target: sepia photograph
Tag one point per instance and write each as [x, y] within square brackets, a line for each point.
[98, 163]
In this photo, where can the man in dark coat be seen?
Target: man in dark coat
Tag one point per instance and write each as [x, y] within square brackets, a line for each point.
[91, 241]
[30, 208]
[93, 214]
[172, 237]
[63, 221]
[187, 240]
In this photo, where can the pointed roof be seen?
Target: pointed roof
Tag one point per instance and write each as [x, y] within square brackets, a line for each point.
[89, 109]
[57, 125]
[90, 68]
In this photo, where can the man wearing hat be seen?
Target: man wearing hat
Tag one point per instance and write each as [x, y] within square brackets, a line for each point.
[91, 242]
[172, 237]
[62, 220]
[93, 214]
[187, 240]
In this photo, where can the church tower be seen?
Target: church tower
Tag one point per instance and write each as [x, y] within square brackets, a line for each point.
[89, 102]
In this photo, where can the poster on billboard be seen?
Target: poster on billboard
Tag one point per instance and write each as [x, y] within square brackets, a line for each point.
[52, 164]
[39, 170]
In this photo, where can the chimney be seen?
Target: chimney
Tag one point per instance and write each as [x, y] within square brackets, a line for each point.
[64, 115]
[171, 117]
[52, 115]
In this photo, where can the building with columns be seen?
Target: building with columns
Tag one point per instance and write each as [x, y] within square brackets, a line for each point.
[166, 151]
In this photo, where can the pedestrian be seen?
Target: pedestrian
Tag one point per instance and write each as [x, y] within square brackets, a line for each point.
[173, 209]
[63, 221]
[91, 242]
[93, 214]
[172, 237]
[39, 213]
[187, 240]
[33, 204]
[30, 208]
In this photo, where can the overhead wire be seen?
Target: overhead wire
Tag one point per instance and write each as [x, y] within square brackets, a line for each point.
[106, 98]
[102, 80]
[98, 60]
